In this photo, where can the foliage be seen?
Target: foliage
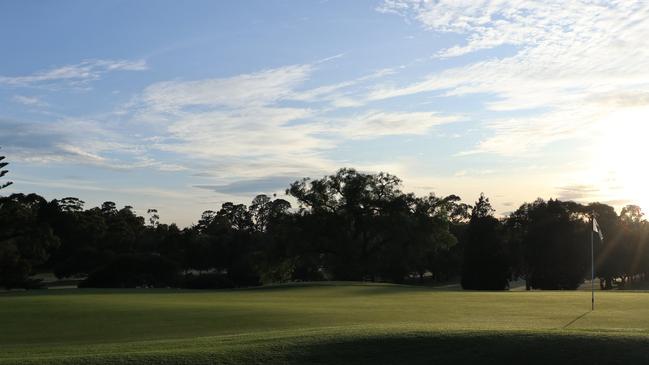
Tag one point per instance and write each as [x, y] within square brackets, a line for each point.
[486, 261]
[347, 226]
[134, 271]
[363, 227]
[552, 241]
[3, 172]
[26, 238]
[206, 281]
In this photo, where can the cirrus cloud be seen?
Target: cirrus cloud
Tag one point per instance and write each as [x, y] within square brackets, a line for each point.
[571, 59]
[73, 75]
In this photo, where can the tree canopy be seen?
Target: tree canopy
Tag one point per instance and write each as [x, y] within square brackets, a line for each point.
[349, 225]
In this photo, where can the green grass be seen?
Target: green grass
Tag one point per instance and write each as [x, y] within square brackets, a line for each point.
[325, 324]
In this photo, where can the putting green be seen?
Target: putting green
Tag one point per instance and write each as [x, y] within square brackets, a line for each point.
[333, 324]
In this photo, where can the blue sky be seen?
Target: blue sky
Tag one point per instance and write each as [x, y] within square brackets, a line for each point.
[181, 106]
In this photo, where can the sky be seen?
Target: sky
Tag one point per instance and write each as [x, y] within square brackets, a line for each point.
[181, 106]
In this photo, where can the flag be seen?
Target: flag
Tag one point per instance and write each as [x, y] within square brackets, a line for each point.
[597, 229]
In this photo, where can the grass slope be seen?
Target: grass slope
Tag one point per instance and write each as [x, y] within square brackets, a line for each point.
[325, 324]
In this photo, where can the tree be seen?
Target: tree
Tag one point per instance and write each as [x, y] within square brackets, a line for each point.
[108, 209]
[611, 253]
[346, 209]
[154, 217]
[237, 216]
[486, 263]
[349, 225]
[551, 238]
[3, 172]
[358, 226]
[134, 270]
[482, 208]
[70, 205]
[630, 250]
[82, 234]
[26, 238]
[207, 218]
[260, 210]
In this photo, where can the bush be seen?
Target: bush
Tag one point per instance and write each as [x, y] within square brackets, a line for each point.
[132, 271]
[206, 281]
[83, 262]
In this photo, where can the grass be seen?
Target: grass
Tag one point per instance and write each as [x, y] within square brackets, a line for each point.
[324, 324]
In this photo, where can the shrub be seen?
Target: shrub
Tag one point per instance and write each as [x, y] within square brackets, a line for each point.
[134, 270]
[206, 281]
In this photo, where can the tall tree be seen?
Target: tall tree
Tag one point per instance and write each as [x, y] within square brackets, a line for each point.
[363, 227]
[26, 238]
[610, 253]
[486, 262]
[154, 217]
[552, 239]
[3, 172]
[632, 252]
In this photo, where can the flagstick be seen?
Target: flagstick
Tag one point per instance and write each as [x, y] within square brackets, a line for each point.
[592, 271]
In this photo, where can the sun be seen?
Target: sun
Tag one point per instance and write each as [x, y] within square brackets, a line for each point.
[620, 157]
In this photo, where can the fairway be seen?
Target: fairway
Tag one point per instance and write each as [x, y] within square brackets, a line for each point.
[335, 324]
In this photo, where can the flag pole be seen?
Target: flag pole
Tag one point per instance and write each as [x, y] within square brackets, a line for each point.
[592, 267]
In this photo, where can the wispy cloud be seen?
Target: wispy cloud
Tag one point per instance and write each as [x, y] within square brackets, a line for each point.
[577, 192]
[344, 94]
[249, 131]
[266, 123]
[265, 185]
[28, 100]
[576, 61]
[76, 74]
[78, 141]
[248, 90]
[373, 124]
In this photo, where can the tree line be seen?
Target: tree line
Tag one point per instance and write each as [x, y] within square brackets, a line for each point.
[346, 226]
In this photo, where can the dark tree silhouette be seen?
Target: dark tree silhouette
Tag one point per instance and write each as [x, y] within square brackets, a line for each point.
[610, 253]
[3, 172]
[347, 226]
[359, 226]
[26, 238]
[552, 238]
[154, 217]
[486, 262]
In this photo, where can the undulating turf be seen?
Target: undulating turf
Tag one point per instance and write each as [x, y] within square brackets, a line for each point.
[325, 324]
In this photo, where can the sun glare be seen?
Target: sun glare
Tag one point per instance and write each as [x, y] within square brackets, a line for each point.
[618, 164]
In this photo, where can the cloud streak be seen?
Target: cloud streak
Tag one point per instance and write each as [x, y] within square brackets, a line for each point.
[255, 89]
[73, 75]
[28, 100]
[266, 123]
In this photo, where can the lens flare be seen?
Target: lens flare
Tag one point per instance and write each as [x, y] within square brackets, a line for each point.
[621, 148]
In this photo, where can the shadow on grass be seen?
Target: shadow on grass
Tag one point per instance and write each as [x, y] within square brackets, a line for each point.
[554, 348]
[575, 320]
[474, 349]
[365, 288]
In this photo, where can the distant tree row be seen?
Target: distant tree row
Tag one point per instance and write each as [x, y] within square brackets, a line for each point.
[547, 243]
[346, 226]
